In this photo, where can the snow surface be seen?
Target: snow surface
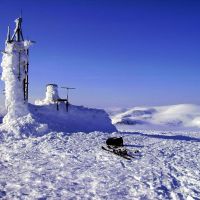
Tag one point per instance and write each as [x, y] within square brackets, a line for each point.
[44, 155]
[174, 117]
[13, 78]
[78, 118]
[73, 166]
[44, 118]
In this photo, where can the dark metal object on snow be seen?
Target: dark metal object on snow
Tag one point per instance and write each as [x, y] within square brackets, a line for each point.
[62, 100]
[68, 88]
[114, 141]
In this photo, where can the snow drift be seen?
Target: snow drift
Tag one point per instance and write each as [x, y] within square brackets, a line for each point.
[182, 116]
[77, 119]
[45, 118]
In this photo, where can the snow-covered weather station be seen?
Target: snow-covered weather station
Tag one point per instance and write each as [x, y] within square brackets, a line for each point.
[15, 64]
[52, 97]
[19, 113]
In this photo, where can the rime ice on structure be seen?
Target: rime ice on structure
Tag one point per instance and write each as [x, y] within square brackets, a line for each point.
[51, 93]
[15, 74]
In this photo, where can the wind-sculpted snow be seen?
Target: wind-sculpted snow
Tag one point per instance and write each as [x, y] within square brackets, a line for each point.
[23, 127]
[60, 166]
[45, 118]
[78, 118]
[175, 117]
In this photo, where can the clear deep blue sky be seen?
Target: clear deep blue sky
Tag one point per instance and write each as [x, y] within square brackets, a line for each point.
[116, 53]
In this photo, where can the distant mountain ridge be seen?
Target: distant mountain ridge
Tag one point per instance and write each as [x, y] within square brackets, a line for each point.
[181, 116]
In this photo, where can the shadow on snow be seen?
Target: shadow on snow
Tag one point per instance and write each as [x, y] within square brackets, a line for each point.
[165, 137]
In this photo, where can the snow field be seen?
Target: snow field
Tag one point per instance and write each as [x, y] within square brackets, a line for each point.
[60, 166]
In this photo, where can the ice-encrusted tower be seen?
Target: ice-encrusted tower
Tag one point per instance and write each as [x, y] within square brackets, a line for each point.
[15, 66]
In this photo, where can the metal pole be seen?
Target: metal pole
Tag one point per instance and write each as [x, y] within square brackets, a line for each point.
[19, 66]
[67, 104]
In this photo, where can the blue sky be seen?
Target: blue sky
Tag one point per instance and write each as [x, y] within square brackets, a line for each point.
[116, 53]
